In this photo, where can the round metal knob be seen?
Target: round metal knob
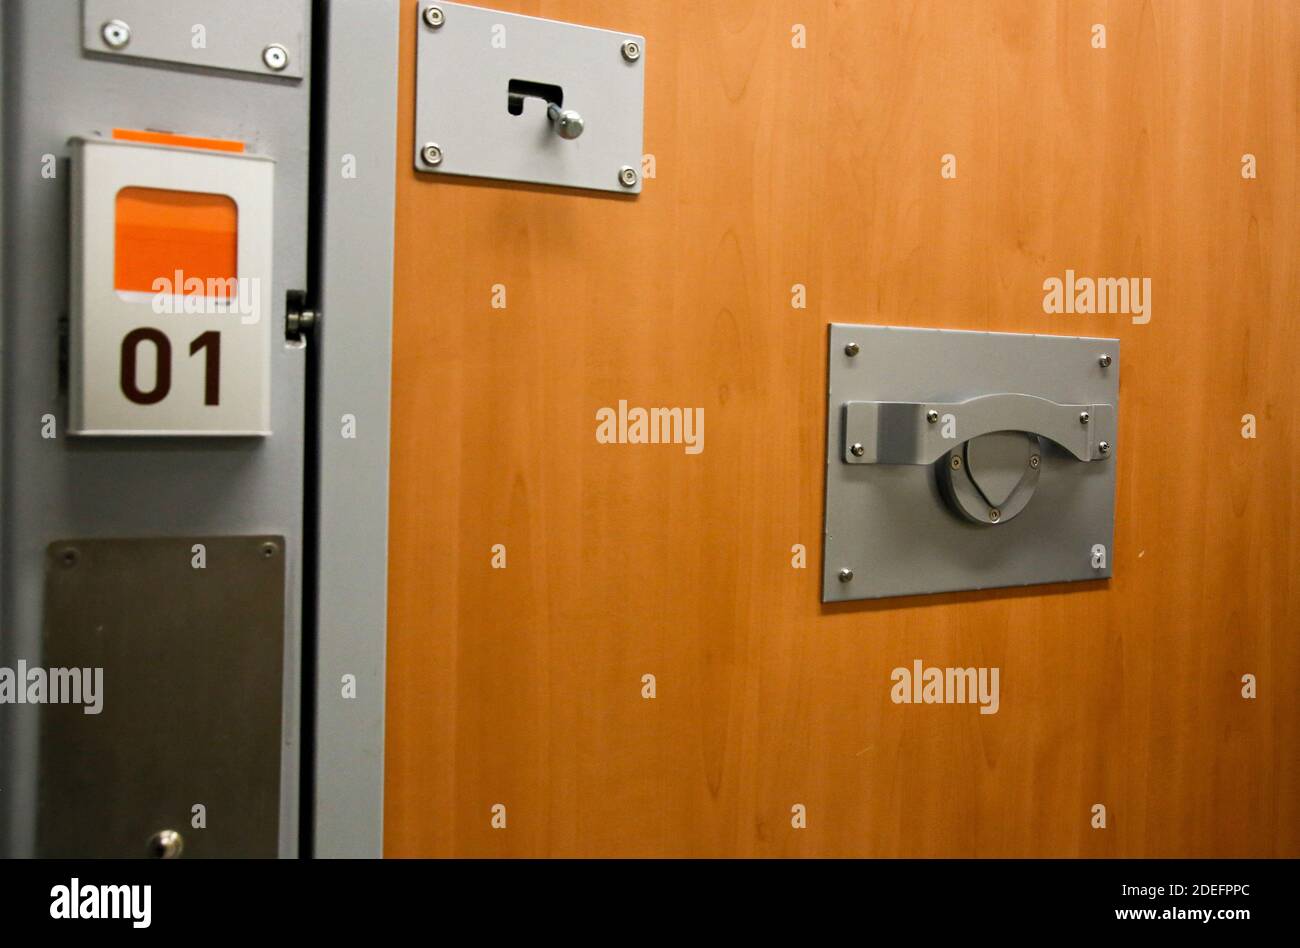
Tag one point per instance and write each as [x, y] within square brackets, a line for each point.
[568, 123]
[166, 844]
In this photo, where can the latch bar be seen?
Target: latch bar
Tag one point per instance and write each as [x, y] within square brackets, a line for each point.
[922, 432]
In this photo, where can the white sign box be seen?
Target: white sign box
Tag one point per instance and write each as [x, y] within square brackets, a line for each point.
[170, 328]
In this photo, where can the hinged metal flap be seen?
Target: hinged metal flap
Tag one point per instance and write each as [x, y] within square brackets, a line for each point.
[904, 432]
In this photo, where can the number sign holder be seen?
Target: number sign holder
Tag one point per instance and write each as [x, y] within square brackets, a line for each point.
[192, 356]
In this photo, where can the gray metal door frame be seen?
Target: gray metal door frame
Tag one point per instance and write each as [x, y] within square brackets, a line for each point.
[333, 133]
[354, 346]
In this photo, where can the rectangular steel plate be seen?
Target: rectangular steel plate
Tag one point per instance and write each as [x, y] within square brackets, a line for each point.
[192, 665]
[230, 34]
[889, 524]
[463, 71]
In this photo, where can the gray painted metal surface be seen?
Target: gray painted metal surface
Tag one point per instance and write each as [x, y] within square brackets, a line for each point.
[229, 34]
[187, 711]
[356, 295]
[59, 487]
[889, 523]
[463, 73]
[10, 735]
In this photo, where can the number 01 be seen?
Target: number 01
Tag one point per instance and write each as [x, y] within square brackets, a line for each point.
[209, 342]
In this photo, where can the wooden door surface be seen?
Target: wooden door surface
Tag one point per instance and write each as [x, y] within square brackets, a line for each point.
[813, 145]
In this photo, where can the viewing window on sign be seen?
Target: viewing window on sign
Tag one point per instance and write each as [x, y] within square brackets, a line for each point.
[178, 249]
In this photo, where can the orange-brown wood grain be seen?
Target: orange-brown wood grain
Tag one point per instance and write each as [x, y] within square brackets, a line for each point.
[778, 165]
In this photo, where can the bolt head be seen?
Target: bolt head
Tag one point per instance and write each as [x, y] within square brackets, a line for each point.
[1034, 460]
[857, 450]
[628, 177]
[852, 349]
[1104, 447]
[167, 844]
[955, 463]
[1084, 417]
[116, 34]
[431, 154]
[995, 515]
[433, 17]
[276, 57]
[631, 50]
[846, 575]
[1104, 361]
[932, 416]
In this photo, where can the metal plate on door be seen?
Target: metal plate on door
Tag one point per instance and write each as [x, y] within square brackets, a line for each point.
[189, 634]
[254, 36]
[967, 460]
[518, 98]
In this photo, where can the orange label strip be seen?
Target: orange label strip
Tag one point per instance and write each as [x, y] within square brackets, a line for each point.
[180, 141]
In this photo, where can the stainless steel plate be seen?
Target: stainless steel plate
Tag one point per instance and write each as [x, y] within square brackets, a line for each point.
[890, 532]
[464, 71]
[232, 34]
[192, 665]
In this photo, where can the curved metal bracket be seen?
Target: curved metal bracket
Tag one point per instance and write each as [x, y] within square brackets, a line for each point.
[922, 432]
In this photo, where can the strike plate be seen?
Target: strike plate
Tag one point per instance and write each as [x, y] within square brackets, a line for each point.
[484, 80]
[967, 460]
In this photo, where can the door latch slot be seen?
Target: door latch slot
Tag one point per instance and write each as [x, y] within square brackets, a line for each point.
[519, 89]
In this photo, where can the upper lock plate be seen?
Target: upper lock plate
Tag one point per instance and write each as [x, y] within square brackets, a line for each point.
[485, 80]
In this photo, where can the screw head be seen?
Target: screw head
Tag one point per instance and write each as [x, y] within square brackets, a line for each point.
[628, 177]
[631, 50]
[166, 844]
[1104, 361]
[431, 153]
[116, 34]
[995, 515]
[268, 550]
[846, 575]
[276, 57]
[1034, 460]
[1104, 447]
[852, 349]
[1084, 417]
[932, 416]
[857, 450]
[433, 17]
[955, 463]
[69, 557]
